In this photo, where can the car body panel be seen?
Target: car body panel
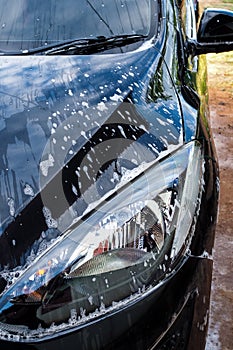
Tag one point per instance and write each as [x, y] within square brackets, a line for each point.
[51, 95]
[55, 110]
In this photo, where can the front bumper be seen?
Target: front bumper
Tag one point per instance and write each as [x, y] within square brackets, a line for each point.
[173, 316]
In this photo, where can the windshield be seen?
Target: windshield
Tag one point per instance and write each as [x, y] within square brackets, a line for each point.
[29, 24]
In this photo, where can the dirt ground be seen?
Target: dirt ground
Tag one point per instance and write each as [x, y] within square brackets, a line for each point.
[220, 80]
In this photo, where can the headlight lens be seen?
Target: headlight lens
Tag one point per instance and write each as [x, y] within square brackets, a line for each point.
[123, 247]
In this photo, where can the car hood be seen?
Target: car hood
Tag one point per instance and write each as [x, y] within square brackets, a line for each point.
[73, 129]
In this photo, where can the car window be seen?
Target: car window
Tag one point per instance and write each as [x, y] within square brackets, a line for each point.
[28, 24]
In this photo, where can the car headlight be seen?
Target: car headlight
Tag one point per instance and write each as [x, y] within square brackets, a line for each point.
[121, 249]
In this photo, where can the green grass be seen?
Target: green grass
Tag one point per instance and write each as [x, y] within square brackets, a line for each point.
[226, 4]
[221, 65]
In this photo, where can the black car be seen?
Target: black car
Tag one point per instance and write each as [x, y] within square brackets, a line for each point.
[109, 177]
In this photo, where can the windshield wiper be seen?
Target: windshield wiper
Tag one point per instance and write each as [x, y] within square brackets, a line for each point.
[81, 46]
[94, 45]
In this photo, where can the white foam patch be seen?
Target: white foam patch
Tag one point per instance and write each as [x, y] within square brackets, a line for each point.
[46, 164]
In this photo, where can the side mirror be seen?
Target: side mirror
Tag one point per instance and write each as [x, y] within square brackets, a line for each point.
[215, 32]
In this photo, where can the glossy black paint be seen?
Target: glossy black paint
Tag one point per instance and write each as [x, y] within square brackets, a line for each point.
[29, 207]
[164, 81]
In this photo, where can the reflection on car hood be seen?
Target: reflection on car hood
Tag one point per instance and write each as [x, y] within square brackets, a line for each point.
[73, 128]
